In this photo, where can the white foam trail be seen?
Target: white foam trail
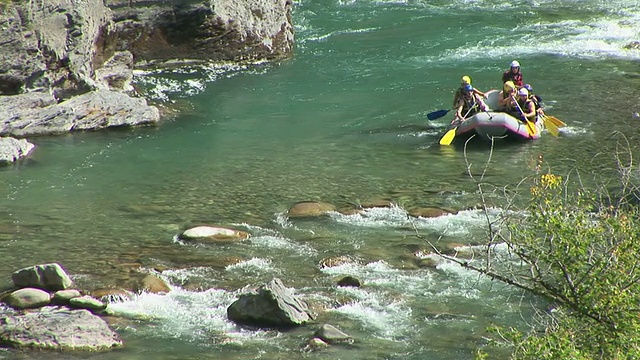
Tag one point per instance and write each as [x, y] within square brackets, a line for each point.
[380, 274]
[325, 37]
[253, 266]
[452, 224]
[197, 316]
[269, 238]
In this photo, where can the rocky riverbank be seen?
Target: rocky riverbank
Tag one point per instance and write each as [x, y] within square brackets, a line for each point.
[68, 65]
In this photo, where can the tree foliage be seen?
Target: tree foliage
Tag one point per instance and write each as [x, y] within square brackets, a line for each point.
[580, 250]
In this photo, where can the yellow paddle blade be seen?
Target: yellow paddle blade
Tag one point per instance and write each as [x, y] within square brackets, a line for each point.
[557, 122]
[531, 128]
[551, 127]
[448, 137]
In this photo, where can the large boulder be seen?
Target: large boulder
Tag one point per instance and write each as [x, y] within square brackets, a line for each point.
[90, 111]
[270, 305]
[12, 149]
[48, 277]
[58, 329]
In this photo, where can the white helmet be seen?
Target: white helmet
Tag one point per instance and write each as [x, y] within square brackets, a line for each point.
[523, 92]
[515, 63]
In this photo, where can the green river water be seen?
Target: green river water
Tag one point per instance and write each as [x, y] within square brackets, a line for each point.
[343, 121]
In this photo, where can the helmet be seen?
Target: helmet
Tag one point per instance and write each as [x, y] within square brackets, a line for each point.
[515, 63]
[509, 85]
[468, 88]
[523, 92]
[466, 80]
[528, 87]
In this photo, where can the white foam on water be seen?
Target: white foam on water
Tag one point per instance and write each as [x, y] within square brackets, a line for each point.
[195, 316]
[279, 242]
[458, 224]
[382, 275]
[325, 37]
[384, 318]
[191, 79]
[253, 266]
[271, 239]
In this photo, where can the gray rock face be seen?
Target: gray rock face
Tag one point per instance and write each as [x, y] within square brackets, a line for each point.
[58, 329]
[65, 64]
[272, 304]
[47, 277]
[229, 30]
[12, 149]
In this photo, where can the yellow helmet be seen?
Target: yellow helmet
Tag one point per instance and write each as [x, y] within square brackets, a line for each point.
[509, 85]
[466, 80]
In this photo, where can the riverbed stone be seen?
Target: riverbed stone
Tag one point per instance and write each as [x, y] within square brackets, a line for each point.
[270, 305]
[62, 297]
[87, 302]
[349, 281]
[153, 284]
[213, 234]
[58, 329]
[430, 212]
[337, 260]
[111, 295]
[28, 298]
[310, 209]
[50, 277]
[331, 334]
[316, 344]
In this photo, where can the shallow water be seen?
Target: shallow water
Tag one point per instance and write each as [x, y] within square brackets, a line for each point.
[344, 121]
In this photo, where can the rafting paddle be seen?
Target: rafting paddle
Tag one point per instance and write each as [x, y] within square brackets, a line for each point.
[447, 139]
[437, 114]
[531, 127]
[557, 122]
[551, 127]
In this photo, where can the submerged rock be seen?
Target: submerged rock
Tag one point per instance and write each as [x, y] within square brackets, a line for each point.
[153, 284]
[331, 334]
[310, 209]
[430, 212]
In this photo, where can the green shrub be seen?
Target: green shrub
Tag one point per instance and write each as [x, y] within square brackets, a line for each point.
[583, 256]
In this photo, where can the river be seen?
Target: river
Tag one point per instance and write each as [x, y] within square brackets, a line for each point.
[343, 121]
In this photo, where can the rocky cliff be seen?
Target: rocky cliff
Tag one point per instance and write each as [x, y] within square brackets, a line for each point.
[67, 65]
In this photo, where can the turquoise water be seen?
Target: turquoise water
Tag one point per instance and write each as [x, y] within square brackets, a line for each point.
[343, 121]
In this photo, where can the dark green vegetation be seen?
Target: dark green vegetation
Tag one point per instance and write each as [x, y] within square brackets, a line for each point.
[577, 248]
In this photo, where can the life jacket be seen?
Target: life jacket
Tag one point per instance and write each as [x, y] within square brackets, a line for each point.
[470, 106]
[537, 101]
[523, 105]
[516, 78]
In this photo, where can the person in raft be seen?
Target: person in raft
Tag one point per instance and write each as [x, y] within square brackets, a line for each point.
[523, 107]
[537, 100]
[466, 80]
[513, 74]
[506, 98]
[469, 104]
